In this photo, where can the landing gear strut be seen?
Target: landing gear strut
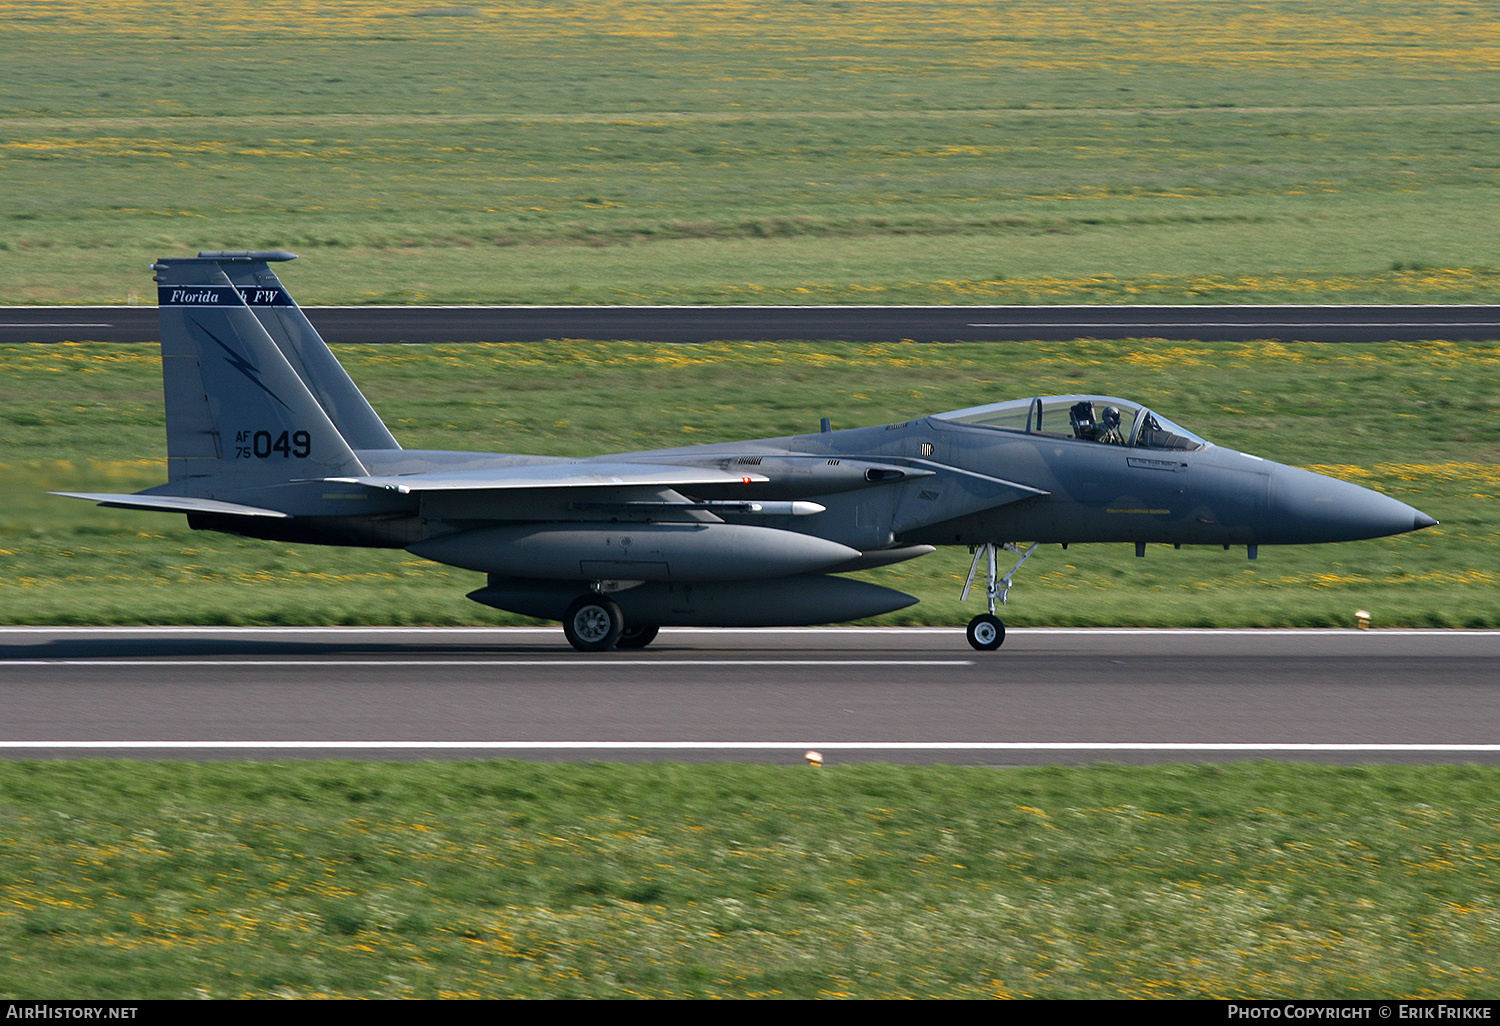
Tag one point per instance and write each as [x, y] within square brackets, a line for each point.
[986, 631]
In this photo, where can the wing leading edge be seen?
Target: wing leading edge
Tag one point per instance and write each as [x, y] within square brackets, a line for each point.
[583, 474]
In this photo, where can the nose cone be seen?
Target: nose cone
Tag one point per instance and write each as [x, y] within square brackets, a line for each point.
[1307, 507]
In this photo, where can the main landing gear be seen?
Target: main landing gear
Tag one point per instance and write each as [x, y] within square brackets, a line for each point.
[594, 623]
[637, 637]
[986, 631]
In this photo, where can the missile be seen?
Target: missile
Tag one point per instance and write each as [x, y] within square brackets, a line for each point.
[798, 477]
[796, 508]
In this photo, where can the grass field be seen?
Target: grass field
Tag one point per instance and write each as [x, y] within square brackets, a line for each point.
[470, 880]
[782, 151]
[788, 151]
[1418, 421]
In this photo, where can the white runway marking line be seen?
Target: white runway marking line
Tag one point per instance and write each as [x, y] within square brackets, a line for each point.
[1238, 324]
[230, 661]
[1264, 632]
[892, 746]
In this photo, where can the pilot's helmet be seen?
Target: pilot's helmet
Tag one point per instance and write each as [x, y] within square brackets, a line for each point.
[1111, 418]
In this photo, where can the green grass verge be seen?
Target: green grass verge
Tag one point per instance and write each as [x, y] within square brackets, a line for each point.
[504, 879]
[664, 151]
[784, 152]
[1416, 420]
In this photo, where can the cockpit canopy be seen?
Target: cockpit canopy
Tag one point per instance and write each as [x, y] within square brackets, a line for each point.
[1090, 418]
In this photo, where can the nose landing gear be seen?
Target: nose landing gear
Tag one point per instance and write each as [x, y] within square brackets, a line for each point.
[986, 632]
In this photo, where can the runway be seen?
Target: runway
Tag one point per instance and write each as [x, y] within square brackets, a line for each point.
[686, 324]
[853, 694]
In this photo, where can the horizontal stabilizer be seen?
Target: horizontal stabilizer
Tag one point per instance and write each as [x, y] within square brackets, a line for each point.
[590, 474]
[173, 504]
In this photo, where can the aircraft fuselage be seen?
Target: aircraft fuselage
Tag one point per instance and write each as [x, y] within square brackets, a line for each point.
[268, 437]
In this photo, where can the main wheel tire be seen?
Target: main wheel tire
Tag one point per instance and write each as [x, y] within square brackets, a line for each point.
[986, 632]
[593, 623]
[637, 637]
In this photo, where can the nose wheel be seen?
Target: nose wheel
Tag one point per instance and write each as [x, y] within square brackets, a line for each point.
[986, 632]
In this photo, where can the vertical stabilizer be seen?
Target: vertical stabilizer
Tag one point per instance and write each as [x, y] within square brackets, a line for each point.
[305, 350]
[237, 410]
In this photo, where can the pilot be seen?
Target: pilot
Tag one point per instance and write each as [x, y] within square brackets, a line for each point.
[1109, 427]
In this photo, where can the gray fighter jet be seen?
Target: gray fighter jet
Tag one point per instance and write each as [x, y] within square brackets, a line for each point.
[268, 437]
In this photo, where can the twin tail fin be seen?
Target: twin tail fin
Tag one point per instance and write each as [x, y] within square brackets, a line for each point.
[252, 392]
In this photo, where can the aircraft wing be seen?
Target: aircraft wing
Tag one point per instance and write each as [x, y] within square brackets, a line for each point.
[173, 504]
[582, 474]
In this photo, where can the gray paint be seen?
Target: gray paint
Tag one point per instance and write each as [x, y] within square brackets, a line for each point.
[268, 437]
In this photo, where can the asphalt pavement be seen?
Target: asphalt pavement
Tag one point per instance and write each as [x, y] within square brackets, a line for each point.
[687, 324]
[886, 694]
